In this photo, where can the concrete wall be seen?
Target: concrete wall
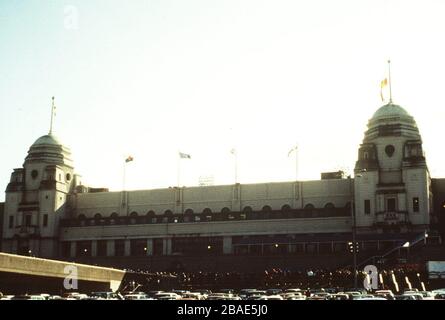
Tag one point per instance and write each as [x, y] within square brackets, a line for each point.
[235, 197]
[56, 269]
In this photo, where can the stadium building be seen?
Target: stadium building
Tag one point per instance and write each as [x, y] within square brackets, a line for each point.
[399, 211]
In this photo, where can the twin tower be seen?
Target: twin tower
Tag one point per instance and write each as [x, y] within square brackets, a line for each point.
[392, 186]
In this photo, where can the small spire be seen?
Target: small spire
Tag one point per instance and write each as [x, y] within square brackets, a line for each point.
[53, 111]
[389, 80]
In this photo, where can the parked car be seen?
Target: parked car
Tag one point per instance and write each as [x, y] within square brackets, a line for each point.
[137, 296]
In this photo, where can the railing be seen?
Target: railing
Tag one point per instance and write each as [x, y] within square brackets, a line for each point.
[392, 217]
[27, 230]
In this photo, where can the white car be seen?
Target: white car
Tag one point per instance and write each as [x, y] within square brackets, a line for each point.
[293, 295]
[370, 298]
[36, 297]
[217, 296]
[167, 296]
[417, 296]
[273, 297]
[136, 297]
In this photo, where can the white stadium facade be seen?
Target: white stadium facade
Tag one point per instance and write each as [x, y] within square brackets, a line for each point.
[242, 227]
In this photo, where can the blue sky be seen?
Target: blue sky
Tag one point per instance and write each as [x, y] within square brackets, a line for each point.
[149, 78]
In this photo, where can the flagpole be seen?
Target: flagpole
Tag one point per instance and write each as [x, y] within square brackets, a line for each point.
[123, 186]
[234, 152]
[179, 170]
[236, 167]
[296, 163]
[389, 79]
[124, 175]
[52, 117]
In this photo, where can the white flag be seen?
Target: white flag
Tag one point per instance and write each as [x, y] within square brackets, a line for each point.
[291, 150]
[184, 156]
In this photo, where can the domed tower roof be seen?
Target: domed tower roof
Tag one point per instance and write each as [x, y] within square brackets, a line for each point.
[390, 110]
[47, 139]
[48, 149]
[394, 119]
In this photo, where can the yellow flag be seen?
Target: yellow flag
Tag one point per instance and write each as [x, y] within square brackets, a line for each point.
[383, 84]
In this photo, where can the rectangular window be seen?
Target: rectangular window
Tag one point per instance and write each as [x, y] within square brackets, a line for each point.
[340, 247]
[325, 247]
[370, 246]
[11, 222]
[367, 206]
[158, 247]
[28, 220]
[241, 250]
[391, 205]
[101, 248]
[138, 247]
[311, 248]
[65, 249]
[119, 248]
[416, 204]
[255, 249]
[45, 220]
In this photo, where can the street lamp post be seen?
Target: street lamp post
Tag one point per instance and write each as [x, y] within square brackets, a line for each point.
[354, 234]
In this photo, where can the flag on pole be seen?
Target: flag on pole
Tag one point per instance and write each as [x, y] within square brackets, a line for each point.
[129, 159]
[383, 84]
[292, 150]
[184, 156]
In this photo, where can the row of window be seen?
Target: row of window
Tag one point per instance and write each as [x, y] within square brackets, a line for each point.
[27, 221]
[224, 210]
[179, 218]
[214, 246]
[391, 205]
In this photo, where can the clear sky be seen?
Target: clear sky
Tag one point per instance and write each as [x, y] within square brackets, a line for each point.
[148, 78]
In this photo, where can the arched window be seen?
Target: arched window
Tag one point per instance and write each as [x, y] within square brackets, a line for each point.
[225, 210]
[151, 217]
[188, 211]
[309, 206]
[207, 211]
[329, 205]
[207, 214]
[133, 217]
[266, 209]
[247, 209]
[113, 218]
[286, 208]
[82, 219]
[98, 219]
